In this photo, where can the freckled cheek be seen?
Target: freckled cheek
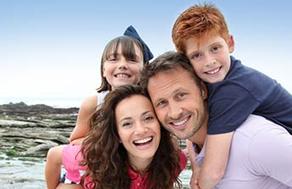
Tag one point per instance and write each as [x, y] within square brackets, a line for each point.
[197, 68]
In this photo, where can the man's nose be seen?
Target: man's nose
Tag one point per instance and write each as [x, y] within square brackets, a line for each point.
[174, 111]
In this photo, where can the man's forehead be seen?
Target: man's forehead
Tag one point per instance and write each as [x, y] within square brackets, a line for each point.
[164, 84]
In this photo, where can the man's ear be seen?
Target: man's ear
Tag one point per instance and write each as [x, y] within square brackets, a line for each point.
[231, 44]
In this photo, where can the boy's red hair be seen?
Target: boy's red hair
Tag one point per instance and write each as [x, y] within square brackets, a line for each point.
[196, 22]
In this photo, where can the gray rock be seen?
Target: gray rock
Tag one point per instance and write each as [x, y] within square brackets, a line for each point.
[32, 130]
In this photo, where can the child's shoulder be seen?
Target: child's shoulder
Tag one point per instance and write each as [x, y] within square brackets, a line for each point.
[89, 103]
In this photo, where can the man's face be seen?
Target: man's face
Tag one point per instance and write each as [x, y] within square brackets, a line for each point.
[178, 102]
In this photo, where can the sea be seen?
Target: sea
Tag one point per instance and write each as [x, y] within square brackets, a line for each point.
[53, 102]
[29, 174]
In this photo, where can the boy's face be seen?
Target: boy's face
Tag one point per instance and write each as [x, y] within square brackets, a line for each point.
[210, 56]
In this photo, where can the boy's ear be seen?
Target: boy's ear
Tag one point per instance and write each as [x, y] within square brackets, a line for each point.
[230, 43]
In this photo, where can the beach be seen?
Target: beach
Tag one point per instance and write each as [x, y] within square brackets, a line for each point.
[18, 173]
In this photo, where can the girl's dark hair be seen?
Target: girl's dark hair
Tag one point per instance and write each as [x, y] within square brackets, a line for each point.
[107, 159]
[128, 51]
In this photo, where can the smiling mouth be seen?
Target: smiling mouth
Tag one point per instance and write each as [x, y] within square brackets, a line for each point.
[214, 71]
[180, 124]
[143, 141]
[122, 76]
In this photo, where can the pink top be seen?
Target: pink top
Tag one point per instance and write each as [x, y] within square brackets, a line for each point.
[138, 181]
[72, 158]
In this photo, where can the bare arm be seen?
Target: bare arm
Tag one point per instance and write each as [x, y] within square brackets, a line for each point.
[215, 161]
[82, 126]
[195, 168]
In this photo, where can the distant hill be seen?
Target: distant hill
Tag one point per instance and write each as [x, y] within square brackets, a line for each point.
[21, 108]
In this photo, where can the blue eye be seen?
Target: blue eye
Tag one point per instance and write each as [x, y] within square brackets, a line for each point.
[215, 48]
[196, 56]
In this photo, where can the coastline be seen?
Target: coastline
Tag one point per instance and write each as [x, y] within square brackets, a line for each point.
[26, 134]
[52, 102]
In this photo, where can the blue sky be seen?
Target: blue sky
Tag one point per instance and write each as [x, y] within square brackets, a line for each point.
[50, 49]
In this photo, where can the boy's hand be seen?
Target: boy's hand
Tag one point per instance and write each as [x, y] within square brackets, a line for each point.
[195, 168]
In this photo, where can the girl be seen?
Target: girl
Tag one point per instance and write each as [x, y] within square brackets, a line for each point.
[122, 61]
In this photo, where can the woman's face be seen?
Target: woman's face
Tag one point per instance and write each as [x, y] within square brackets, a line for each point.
[138, 129]
[118, 70]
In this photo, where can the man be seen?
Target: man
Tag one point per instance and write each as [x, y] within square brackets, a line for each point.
[261, 151]
[234, 90]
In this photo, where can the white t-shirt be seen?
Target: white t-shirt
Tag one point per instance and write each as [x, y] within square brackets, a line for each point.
[100, 97]
[260, 157]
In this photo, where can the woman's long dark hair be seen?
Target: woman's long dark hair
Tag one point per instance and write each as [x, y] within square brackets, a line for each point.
[107, 159]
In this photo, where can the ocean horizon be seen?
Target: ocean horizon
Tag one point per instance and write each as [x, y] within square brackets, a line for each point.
[53, 102]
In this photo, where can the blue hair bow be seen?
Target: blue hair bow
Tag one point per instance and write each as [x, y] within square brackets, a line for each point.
[131, 32]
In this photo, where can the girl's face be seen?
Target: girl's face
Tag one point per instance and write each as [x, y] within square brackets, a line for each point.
[118, 70]
[138, 129]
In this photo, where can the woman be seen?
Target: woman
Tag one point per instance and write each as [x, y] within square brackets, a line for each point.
[127, 148]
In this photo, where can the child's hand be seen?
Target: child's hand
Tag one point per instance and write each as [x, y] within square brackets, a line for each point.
[195, 168]
[77, 141]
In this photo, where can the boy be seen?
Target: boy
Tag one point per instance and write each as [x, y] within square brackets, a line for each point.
[235, 91]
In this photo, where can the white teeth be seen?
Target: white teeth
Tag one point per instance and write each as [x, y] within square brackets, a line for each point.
[143, 140]
[213, 71]
[180, 122]
[122, 75]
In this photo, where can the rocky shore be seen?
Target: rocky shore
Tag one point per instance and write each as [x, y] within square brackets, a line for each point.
[29, 131]
[26, 134]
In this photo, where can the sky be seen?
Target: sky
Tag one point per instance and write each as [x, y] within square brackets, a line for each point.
[50, 49]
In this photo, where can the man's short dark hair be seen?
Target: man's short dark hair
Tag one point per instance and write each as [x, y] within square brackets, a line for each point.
[165, 62]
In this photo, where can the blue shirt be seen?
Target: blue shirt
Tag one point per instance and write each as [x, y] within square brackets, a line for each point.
[245, 91]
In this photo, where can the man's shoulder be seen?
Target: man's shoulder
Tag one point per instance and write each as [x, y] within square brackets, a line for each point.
[255, 124]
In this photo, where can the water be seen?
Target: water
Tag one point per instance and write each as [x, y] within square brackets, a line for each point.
[185, 176]
[29, 174]
[21, 174]
[54, 102]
